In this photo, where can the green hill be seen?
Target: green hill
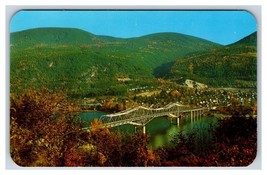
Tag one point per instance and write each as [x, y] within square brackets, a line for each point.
[86, 64]
[234, 65]
[250, 40]
[43, 37]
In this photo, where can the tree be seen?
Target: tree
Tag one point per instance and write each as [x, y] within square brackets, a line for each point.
[234, 143]
[235, 102]
[108, 144]
[136, 153]
[190, 68]
[175, 93]
[43, 128]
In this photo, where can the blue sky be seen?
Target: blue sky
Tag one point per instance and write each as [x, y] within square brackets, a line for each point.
[222, 27]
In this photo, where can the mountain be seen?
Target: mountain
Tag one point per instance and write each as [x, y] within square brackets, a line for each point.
[55, 36]
[83, 63]
[250, 40]
[234, 65]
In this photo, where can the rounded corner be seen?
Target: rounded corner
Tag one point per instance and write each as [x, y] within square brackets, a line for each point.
[256, 162]
[12, 16]
[15, 13]
[12, 163]
[252, 14]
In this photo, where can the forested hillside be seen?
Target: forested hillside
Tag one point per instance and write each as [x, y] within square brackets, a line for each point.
[85, 64]
[234, 65]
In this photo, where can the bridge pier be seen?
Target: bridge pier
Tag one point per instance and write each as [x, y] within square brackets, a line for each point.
[138, 129]
[170, 119]
[178, 121]
[191, 116]
[144, 129]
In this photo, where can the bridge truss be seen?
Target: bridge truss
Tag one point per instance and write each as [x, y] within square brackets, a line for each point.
[140, 115]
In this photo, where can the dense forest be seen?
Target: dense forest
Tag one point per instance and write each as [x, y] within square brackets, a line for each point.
[230, 66]
[84, 64]
[87, 65]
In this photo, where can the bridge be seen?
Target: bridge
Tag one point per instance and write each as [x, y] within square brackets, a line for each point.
[140, 115]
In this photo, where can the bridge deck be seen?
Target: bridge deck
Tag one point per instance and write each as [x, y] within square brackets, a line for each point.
[142, 115]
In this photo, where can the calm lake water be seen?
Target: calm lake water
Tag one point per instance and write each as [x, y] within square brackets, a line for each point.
[162, 130]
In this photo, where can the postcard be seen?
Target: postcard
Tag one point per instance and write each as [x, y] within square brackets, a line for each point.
[133, 88]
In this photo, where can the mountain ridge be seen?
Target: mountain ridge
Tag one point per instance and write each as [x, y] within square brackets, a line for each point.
[233, 65]
[251, 39]
[85, 64]
[53, 31]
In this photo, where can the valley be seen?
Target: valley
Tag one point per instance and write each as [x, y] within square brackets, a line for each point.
[64, 80]
[117, 73]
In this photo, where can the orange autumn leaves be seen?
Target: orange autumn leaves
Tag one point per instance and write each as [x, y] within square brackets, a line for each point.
[46, 131]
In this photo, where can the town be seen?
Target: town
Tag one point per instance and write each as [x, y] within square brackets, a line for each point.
[155, 97]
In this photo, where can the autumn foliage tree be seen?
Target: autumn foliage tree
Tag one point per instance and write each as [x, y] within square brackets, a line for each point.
[136, 152]
[45, 131]
[42, 128]
[234, 143]
[108, 144]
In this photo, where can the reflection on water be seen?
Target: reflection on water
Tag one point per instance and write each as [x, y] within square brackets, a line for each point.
[162, 130]
[201, 127]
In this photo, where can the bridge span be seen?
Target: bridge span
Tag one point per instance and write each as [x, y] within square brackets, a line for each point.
[140, 115]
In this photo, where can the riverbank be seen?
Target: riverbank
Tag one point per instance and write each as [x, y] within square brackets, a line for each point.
[225, 116]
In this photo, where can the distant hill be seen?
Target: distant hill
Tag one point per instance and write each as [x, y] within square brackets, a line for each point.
[55, 36]
[84, 63]
[250, 40]
[234, 65]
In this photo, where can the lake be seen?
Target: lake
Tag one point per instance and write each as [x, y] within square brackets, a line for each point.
[162, 130]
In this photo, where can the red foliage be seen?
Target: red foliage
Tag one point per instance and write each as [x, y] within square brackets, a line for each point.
[235, 143]
[107, 143]
[136, 153]
[42, 128]
[73, 158]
